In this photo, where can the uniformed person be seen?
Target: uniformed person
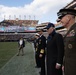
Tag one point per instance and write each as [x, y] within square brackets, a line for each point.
[68, 21]
[36, 52]
[55, 51]
[41, 50]
[35, 39]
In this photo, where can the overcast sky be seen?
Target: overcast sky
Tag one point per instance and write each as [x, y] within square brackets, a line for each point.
[42, 10]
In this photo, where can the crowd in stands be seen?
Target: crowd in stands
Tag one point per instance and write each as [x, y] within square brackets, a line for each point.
[15, 37]
[19, 22]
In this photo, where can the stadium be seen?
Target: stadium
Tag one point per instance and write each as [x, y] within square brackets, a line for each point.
[10, 33]
[12, 30]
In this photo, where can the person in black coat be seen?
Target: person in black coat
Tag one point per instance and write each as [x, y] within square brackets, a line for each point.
[55, 51]
[41, 51]
[21, 44]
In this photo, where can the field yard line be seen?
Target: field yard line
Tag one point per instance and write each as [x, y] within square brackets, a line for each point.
[16, 71]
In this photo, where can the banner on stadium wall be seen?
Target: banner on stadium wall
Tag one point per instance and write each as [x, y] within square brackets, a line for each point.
[17, 29]
[2, 29]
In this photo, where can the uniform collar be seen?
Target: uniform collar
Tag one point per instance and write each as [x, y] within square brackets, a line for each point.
[41, 35]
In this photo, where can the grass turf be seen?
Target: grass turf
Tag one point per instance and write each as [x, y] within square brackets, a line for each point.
[21, 65]
[7, 50]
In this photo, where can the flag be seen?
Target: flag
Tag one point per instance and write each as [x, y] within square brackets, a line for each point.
[29, 17]
[14, 16]
[4, 17]
[9, 17]
[20, 17]
[24, 16]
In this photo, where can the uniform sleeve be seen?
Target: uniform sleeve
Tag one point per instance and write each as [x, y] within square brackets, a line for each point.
[43, 45]
[60, 48]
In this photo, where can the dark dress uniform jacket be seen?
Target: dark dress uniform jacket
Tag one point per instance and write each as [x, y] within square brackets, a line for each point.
[41, 50]
[36, 53]
[41, 45]
[55, 52]
[70, 51]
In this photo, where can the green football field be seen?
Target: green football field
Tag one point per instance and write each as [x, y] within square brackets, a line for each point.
[7, 50]
[11, 64]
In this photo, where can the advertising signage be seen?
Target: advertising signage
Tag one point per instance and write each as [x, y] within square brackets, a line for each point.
[17, 29]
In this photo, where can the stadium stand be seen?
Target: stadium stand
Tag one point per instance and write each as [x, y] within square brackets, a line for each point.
[7, 33]
[20, 22]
